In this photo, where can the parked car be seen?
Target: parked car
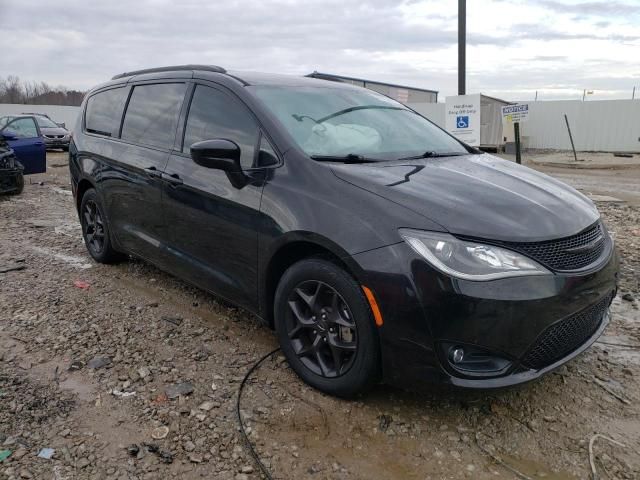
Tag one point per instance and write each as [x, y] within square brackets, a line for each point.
[11, 177]
[55, 135]
[377, 245]
[23, 135]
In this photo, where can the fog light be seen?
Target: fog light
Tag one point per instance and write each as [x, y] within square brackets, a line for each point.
[457, 355]
[471, 360]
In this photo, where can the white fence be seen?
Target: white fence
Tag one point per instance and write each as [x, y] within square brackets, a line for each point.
[605, 125]
[58, 113]
[598, 126]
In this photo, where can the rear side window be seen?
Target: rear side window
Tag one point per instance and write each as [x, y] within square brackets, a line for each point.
[152, 115]
[104, 112]
[214, 114]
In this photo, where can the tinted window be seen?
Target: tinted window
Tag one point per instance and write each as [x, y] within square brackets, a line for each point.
[152, 114]
[214, 114]
[104, 111]
[22, 128]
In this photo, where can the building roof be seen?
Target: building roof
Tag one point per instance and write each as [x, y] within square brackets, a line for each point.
[506, 102]
[338, 78]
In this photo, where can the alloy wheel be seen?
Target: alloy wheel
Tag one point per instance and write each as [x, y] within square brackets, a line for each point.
[321, 329]
[93, 227]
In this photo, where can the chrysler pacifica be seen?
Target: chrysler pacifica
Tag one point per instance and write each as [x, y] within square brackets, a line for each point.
[378, 247]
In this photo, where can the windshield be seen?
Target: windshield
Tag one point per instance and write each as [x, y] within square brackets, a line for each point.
[44, 122]
[329, 122]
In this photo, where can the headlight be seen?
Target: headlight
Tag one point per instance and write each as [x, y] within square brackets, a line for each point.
[469, 260]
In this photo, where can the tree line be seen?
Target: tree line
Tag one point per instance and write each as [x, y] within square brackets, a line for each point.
[15, 90]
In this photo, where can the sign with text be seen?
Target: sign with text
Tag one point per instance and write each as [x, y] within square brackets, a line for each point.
[515, 113]
[462, 119]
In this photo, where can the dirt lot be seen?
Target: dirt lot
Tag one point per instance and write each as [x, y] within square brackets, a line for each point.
[85, 371]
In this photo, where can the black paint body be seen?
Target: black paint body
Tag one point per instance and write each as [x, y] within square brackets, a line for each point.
[233, 241]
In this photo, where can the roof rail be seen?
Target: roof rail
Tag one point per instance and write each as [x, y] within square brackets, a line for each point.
[207, 68]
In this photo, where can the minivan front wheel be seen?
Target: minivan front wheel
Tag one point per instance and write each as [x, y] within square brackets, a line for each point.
[325, 328]
[95, 229]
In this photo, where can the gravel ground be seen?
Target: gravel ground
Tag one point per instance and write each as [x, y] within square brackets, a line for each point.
[128, 373]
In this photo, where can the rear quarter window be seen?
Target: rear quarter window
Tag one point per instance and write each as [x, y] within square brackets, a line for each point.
[104, 111]
[152, 114]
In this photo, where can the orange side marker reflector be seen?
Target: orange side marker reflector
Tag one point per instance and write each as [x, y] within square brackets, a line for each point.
[377, 316]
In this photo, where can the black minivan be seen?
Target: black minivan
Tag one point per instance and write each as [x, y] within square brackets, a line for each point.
[379, 247]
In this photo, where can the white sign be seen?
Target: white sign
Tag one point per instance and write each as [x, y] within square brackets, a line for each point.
[462, 119]
[515, 113]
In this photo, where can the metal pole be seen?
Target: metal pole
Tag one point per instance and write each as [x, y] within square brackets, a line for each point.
[573, 147]
[536, 96]
[516, 131]
[633, 95]
[584, 92]
[462, 46]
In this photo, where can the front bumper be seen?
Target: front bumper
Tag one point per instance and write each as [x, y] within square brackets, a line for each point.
[57, 142]
[427, 313]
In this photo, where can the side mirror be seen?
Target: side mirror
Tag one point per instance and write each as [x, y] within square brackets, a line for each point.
[8, 136]
[220, 154]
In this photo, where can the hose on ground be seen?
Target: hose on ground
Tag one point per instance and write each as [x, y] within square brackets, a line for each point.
[243, 431]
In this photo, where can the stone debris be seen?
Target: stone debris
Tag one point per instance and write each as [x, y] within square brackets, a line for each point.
[137, 377]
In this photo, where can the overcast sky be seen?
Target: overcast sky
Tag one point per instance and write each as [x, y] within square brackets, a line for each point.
[515, 47]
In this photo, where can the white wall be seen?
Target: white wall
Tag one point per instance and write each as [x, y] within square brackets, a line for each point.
[433, 111]
[602, 125]
[597, 125]
[58, 113]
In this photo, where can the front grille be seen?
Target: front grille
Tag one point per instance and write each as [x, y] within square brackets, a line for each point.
[561, 254]
[565, 336]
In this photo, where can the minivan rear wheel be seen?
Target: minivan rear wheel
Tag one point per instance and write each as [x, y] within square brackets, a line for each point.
[95, 229]
[325, 328]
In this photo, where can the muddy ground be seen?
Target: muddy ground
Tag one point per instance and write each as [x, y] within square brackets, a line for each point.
[88, 351]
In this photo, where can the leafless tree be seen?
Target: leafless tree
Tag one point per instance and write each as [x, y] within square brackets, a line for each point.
[13, 90]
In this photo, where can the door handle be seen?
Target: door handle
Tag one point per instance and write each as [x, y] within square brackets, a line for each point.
[153, 172]
[173, 179]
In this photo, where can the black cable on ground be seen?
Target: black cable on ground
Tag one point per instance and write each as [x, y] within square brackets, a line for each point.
[243, 432]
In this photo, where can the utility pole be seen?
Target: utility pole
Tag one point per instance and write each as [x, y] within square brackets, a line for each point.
[462, 46]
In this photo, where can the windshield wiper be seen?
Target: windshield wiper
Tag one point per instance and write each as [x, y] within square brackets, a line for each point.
[349, 158]
[431, 154]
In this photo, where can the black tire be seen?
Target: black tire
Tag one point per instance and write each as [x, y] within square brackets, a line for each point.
[95, 229]
[340, 298]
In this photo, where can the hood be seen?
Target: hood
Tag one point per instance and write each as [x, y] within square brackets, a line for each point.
[54, 131]
[478, 196]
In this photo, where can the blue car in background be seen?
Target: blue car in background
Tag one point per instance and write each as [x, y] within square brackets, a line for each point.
[23, 135]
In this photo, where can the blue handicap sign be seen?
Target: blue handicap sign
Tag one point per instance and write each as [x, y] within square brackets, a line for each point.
[462, 122]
